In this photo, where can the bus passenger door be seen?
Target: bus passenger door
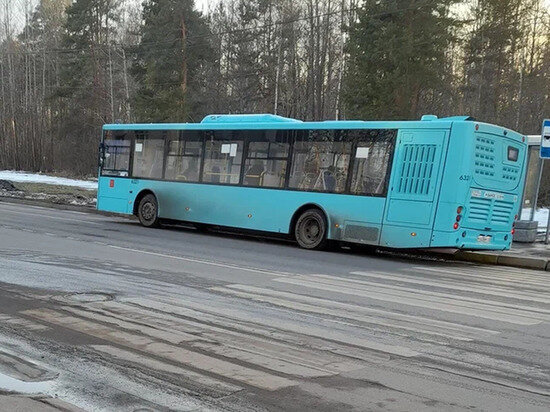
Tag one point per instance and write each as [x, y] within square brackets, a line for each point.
[114, 183]
[413, 192]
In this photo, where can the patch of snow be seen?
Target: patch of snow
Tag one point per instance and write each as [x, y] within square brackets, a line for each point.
[541, 216]
[25, 177]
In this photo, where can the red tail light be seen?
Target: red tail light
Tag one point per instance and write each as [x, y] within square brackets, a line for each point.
[455, 226]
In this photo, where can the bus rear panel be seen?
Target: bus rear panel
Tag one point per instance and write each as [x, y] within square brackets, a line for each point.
[481, 192]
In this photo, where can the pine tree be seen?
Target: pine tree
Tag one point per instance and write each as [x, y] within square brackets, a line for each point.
[397, 57]
[492, 59]
[86, 82]
[172, 61]
[42, 34]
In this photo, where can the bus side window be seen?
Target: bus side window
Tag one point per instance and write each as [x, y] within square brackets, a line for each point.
[116, 153]
[371, 164]
[184, 157]
[320, 161]
[222, 157]
[266, 160]
[148, 155]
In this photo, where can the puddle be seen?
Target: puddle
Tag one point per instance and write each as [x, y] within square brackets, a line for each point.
[7, 383]
[85, 297]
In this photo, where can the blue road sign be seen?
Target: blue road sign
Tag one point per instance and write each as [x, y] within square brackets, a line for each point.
[545, 143]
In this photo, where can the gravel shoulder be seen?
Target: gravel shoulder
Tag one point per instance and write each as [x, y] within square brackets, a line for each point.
[55, 194]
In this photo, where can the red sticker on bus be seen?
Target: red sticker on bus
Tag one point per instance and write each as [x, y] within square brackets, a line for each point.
[112, 183]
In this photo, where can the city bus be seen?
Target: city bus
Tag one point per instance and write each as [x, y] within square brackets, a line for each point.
[431, 183]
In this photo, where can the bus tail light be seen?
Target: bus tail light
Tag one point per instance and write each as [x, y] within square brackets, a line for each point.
[459, 211]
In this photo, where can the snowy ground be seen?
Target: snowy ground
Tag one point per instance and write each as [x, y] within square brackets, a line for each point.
[13, 176]
[541, 216]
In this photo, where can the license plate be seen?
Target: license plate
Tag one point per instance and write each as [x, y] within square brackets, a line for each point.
[484, 239]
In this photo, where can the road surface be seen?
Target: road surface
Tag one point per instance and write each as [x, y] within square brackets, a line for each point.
[108, 315]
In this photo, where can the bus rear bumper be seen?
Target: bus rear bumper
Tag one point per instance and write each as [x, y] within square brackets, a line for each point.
[472, 239]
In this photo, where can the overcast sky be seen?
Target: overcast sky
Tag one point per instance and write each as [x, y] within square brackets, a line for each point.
[18, 8]
[203, 4]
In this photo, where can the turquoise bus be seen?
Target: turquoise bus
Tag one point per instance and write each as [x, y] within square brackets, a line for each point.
[433, 183]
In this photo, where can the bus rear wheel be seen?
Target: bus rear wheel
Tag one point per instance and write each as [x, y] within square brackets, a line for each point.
[311, 230]
[148, 211]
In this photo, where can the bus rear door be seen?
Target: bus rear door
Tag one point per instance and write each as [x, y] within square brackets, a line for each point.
[416, 177]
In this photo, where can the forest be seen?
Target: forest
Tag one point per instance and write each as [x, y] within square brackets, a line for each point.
[69, 66]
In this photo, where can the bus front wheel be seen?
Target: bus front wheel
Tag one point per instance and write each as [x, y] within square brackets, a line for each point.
[148, 211]
[311, 230]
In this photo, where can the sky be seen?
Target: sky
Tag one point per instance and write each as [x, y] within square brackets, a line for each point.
[203, 4]
[18, 7]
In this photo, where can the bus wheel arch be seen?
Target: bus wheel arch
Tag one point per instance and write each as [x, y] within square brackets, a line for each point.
[314, 214]
[146, 208]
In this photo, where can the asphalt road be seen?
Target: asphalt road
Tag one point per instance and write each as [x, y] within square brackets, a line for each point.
[108, 315]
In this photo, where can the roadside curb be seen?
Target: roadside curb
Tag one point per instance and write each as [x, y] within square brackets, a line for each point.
[504, 259]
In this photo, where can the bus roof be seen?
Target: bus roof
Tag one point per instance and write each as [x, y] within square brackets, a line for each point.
[271, 121]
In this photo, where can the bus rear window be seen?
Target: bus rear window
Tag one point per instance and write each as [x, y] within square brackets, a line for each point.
[513, 154]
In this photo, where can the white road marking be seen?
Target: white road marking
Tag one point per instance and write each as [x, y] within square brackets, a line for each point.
[495, 291]
[196, 360]
[243, 340]
[168, 336]
[138, 358]
[487, 272]
[447, 304]
[296, 327]
[204, 262]
[473, 279]
[467, 300]
[360, 313]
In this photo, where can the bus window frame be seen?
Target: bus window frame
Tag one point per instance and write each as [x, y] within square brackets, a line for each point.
[389, 165]
[233, 138]
[152, 136]
[180, 137]
[337, 137]
[293, 135]
[282, 136]
[103, 148]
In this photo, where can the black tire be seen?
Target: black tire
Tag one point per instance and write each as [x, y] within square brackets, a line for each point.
[148, 211]
[310, 230]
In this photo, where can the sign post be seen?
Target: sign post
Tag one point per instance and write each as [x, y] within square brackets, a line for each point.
[545, 143]
[545, 154]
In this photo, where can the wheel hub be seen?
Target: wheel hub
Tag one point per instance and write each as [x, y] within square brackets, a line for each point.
[311, 230]
[148, 211]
